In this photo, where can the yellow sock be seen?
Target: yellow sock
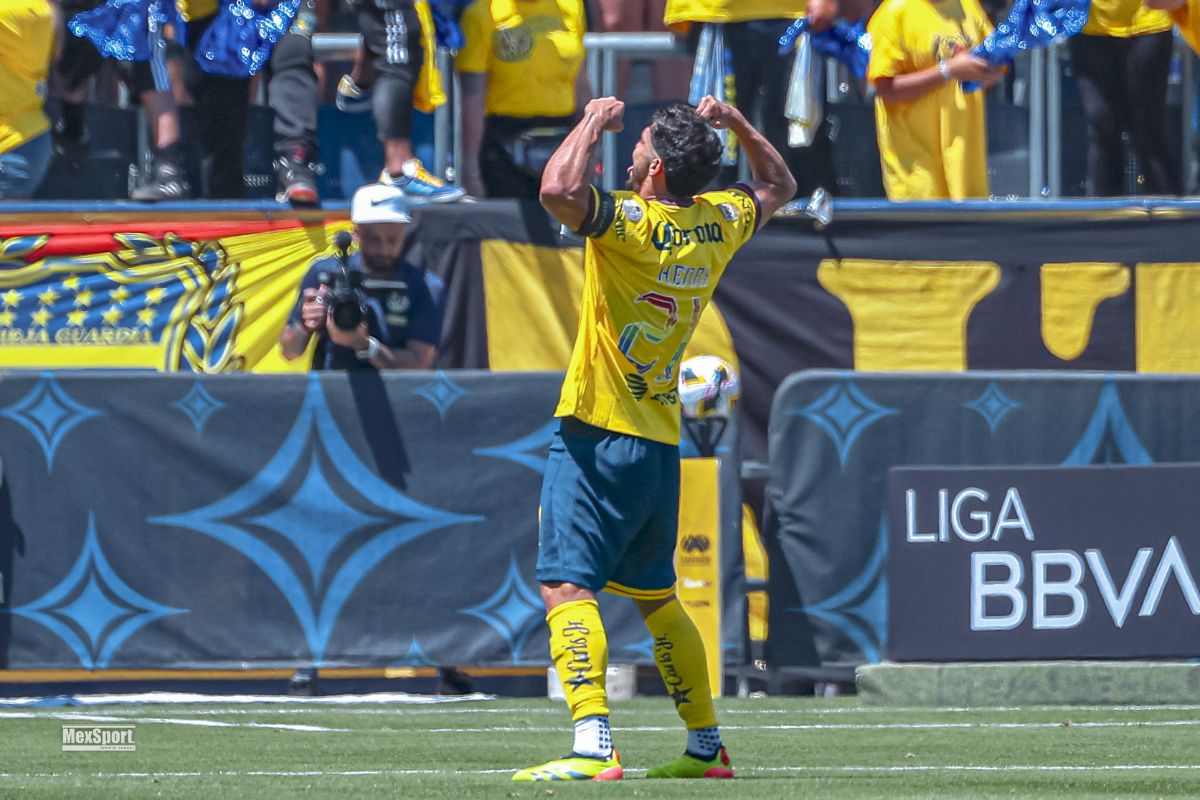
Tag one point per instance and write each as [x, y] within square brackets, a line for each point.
[679, 654]
[579, 647]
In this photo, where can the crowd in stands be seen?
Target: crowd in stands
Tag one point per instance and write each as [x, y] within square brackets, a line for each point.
[523, 84]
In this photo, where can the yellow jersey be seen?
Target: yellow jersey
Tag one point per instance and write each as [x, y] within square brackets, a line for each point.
[650, 268]
[197, 9]
[681, 11]
[531, 52]
[934, 147]
[1121, 19]
[26, 47]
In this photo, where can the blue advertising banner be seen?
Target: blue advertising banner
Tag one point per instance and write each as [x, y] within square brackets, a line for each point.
[836, 434]
[236, 521]
[992, 564]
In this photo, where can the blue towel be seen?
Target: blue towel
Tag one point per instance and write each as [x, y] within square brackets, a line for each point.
[848, 42]
[446, 15]
[239, 41]
[120, 29]
[1031, 24]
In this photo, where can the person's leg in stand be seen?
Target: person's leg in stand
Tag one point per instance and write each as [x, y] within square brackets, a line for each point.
[1146, 74]
[222, 110]
[292, 95]
[167, 179]
[393, 41]
[1099, 64]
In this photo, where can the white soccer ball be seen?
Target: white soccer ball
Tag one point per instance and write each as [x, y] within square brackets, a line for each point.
[708, 387]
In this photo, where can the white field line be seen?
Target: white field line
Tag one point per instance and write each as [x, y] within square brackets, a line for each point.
[742, 770]
[954, 709]
[850, 726]
[181, 698]
[406, 711]
[275, 710]
[199, 723]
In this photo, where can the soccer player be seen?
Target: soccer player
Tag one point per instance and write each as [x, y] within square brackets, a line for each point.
[610, 496]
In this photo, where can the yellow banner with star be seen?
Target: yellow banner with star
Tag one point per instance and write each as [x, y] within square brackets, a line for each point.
[167, 294]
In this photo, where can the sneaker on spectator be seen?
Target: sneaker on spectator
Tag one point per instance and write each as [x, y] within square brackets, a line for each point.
[419, 184]
[352, 98]
[295, 182]
[167, 182]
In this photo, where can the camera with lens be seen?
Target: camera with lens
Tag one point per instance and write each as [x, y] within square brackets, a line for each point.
[346, 301]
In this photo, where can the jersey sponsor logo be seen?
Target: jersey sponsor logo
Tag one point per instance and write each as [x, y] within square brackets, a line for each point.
[668, 237]
[679, 276]
[696, 543]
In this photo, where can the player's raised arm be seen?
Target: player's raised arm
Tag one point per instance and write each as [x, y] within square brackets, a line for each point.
[566, 182]
[772, 181]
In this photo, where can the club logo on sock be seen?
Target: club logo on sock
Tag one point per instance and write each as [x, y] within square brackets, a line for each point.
[579, 663]
[666, 665]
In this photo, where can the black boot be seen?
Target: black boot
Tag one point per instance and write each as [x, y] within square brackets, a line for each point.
[295, 182]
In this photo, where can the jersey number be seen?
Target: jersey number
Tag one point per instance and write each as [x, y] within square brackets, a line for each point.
[657, 334]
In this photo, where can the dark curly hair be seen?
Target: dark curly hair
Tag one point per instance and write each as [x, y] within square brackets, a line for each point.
[688, 148]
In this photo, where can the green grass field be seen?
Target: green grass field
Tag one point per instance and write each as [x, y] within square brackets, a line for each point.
[781, 748]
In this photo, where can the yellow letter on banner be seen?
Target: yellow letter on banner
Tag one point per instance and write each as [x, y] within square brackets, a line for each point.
[698, 557]
[1168, 318]
[1070, 295]
[531, 296]
[909, 315]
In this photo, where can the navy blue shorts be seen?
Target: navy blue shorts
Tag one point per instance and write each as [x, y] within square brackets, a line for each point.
[609, 512]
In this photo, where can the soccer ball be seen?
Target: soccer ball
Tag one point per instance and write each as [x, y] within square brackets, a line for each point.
[708, 387]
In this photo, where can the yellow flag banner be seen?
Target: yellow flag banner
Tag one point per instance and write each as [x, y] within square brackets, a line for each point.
[698, 557]
[165, 294]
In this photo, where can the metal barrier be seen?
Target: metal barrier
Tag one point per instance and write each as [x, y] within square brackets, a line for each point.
[1043, 98]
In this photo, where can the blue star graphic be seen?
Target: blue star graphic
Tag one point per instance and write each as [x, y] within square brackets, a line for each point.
[993, 405]
[441, 392]
[49, 414]
[513, 610]
[844, 412]
[92, 609]
[528, 451]
[199, 405]
[316, 519]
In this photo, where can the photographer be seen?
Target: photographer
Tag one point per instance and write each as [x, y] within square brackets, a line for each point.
[399, 304]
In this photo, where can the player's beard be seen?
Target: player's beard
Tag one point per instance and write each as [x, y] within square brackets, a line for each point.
[635, 180]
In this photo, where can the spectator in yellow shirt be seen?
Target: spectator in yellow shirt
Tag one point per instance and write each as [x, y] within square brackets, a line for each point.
[932, 134]
[1121, 61]
[522, 85]
[28, 30]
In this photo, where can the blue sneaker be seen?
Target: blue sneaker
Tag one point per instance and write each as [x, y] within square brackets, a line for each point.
[419, 184]
[352, 98]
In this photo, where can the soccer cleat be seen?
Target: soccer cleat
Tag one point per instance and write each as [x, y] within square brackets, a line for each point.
[689, 766]
[417, 182]
[574, 768]
[352, 98]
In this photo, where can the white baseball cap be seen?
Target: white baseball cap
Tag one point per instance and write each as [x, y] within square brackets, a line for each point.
[378, 202]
